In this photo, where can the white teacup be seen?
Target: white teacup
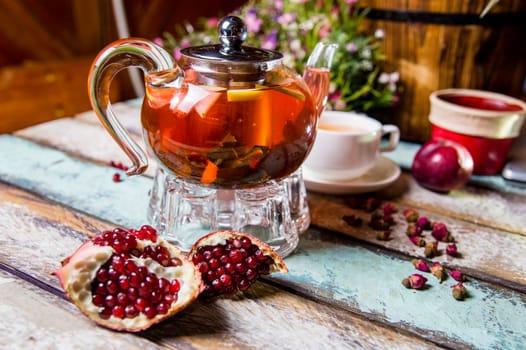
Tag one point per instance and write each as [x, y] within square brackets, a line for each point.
[347, 145]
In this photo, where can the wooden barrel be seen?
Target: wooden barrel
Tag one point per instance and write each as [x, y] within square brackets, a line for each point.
[437, 44]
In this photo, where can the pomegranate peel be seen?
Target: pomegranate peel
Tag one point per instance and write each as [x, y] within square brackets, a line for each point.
[97, 278]
[231, 261]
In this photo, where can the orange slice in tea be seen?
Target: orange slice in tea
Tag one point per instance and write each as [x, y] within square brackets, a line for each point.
[240, 95]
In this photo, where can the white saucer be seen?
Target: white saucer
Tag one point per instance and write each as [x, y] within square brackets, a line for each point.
[384, 173]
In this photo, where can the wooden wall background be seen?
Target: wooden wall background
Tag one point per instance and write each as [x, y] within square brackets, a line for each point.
[47, 46]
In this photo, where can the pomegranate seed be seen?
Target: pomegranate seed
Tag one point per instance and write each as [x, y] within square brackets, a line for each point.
[220, 270]
[226, 280]
[162, 308]
[252, 262]
[98, 300]
[105, 313]
[213, 263]
[235, 256]
[218, 252]
[241, 268]
[130, 266]
[230, 268]
[211, 275]
[110, 300]
[141, 304]
[133, 294]
[251, 275]
[122, 299]
[197, 258]
[202, 267]
[207, 255]
[118, 311]
[236, 243]
[100, 289]
[112, 287]
[217, 284]
[243, 285]
[102, 275]
[116, 177]
[175, 286]
[144, 290]
[131, 311]
[164, 285]
[246, 243]
[113, 274]
[150, 312]
[169, 298]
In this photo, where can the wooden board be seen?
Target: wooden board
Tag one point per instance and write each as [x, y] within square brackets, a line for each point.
[327, 267]
[37, 234]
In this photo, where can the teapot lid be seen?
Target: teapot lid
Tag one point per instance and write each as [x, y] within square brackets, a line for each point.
[232, 33]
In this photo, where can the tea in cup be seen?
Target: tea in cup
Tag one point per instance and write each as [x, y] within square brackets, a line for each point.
[347, 145]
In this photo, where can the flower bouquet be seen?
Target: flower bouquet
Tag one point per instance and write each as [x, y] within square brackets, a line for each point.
[293, 27]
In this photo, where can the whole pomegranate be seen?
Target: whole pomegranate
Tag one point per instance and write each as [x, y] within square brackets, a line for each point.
[129, 280]
[442, 165]
[231, 261]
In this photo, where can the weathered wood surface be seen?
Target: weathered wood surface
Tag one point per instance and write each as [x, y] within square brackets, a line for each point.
[329, 267]
[37, 234]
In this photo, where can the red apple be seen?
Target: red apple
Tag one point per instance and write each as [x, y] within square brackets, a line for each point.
[442, 165]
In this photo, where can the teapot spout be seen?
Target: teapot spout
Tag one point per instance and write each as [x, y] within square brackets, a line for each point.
[317, 73]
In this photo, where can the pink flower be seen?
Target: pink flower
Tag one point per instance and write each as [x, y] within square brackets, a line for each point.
[414, 281]
[212, 22]
[417, 240]
[253, 22]
[351, 47]
[451, 249]
[177, 53]
[286, 18]
[457, 275]
[158, 41]
[439, 232]
[420, 265]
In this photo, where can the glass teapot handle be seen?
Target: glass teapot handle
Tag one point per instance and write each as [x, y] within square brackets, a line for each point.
[160, 69]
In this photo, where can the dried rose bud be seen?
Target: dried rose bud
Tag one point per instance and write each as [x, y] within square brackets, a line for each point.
[431, 249]
[413, 230]
[383, 235]
[414, 281]
[354, 202]
[424, 223]
[410, 215]
[371, 204]
[459, 291]
[420, 264]
[451, 249]
[379, 225]
[457, 275]
[377, 215]
[352, 220]
[418, 241]
[440, 232]
[389, 219]
[438, 271]
[389, 208]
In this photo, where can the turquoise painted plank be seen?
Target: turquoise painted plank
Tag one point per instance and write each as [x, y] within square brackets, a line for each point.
[81, 185]
[359, 279]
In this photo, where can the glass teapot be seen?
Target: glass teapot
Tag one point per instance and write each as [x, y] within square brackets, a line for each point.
[229, 126]
[224, 116]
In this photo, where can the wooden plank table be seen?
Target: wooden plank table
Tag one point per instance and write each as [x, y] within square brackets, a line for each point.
[343, 289]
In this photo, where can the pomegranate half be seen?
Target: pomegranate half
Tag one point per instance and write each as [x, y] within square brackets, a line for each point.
[129, 280]
[231, 261]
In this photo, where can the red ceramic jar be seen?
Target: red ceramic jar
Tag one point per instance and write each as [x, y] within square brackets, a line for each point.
[486, 123]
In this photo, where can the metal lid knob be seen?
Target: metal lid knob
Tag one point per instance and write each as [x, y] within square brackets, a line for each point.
[232, 33]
